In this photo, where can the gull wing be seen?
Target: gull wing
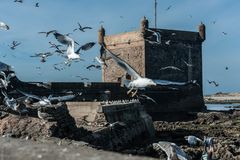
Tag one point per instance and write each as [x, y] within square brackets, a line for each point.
[87, 46]
[179, 152]
[166, 82]
[124, 65]
[30, 95]
[62, 38]
[87, 28]
[164, 146]
[3, 74]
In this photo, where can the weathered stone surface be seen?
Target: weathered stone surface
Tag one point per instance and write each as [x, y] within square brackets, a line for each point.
[58, 123]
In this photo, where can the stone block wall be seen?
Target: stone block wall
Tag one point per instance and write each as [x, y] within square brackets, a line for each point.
[130, 48]
[176, 48]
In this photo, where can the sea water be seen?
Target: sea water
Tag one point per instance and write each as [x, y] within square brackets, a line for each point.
[222, 107]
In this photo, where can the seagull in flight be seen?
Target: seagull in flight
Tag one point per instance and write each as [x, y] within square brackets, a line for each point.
[224, 33]
[6, 79]
[4, 26]
[43, 56]
[93, 66]
[14, 44]
[172, 151]
[10, 102]
[138, 82]
[168, 42]
[168, 7]
[37, 4]
[19, 1]
[187, 64]
[156, 34]
[66, 40]
[42, 101]
[213, 82]
[81, 28]
[171, 67]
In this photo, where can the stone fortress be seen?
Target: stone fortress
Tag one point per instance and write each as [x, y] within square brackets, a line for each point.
[176, 48]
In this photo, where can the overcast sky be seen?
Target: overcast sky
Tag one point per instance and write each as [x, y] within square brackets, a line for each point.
[25, 20]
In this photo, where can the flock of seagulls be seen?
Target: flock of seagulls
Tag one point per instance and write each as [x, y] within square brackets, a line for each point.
[20, 104]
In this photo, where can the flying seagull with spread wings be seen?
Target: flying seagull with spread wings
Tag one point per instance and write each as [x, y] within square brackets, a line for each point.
[14, 44]
[81, 28]
[138, 82]
[43, 56]
[66, 40]
[4, 26]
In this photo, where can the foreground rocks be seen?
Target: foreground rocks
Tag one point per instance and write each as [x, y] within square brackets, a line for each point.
[223, 126]
[54, 136]
[55, 121]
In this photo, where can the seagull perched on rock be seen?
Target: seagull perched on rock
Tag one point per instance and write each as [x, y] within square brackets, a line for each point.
[43, 56]
[193, 140]
[81, 28]
[14, 44]
[4, 26]
[172, 151]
